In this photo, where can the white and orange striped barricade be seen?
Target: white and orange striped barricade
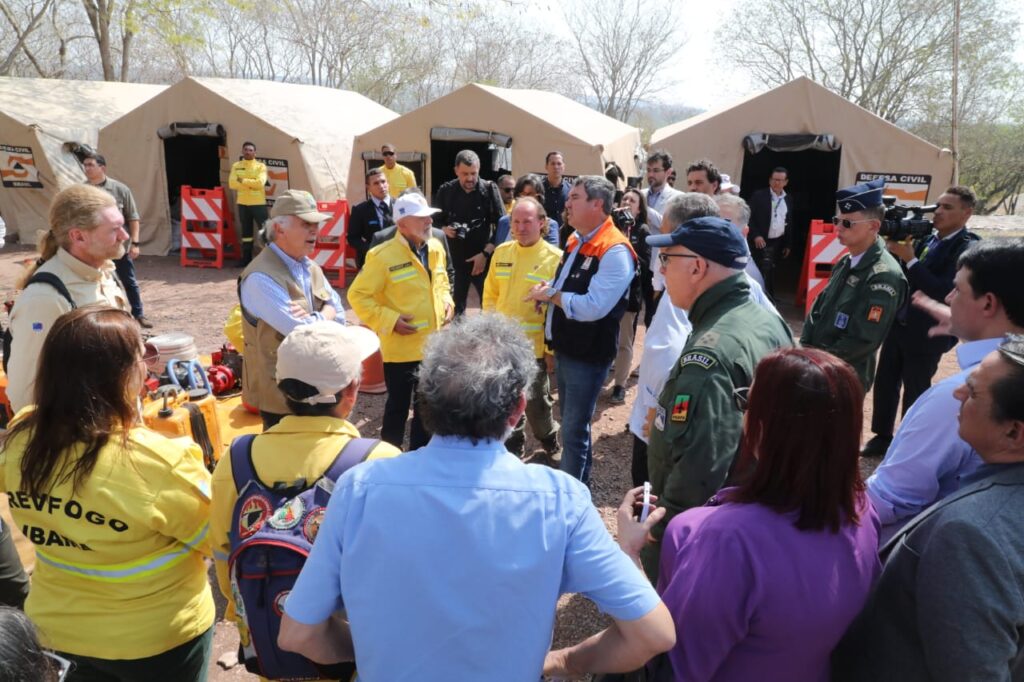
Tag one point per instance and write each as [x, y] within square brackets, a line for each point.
[823, 252]
[331, 241]
[206, 233]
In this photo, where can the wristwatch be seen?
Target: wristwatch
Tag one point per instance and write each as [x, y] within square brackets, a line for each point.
[550, 292]
[135, 244]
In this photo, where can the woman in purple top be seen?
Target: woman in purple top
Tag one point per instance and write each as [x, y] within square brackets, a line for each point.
[763, 581]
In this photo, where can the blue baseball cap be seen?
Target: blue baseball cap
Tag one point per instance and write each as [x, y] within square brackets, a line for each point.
[713, 238]
[862, 196]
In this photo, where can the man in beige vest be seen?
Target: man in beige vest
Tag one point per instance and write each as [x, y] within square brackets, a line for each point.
[279, 290]
[86, 233]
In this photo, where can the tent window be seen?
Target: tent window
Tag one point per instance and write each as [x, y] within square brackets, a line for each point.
[756, 142]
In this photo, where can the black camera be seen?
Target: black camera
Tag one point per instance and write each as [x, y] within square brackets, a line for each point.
[623, 219]
[905, 222]
[461, 230]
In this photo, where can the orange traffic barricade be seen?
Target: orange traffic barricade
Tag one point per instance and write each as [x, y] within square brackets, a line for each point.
[823, 252]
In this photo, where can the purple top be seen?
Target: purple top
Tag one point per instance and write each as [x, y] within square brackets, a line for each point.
[755, 598]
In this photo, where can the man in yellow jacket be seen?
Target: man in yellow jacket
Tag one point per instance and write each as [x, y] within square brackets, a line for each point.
[516, 267]
[248, 178]
[402, 293]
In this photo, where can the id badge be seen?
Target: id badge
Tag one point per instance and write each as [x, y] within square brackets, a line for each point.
[659, 418]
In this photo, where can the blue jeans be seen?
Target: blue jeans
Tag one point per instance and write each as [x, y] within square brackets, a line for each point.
[579, 385]
[125, 269]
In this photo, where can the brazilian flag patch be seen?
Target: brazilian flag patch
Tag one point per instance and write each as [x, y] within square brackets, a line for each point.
[680, 407]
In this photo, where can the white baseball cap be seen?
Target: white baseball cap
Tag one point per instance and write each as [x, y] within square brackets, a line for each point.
[326, 355]
[412, 204]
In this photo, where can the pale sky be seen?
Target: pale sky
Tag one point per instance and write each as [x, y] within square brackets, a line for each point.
[704, 81]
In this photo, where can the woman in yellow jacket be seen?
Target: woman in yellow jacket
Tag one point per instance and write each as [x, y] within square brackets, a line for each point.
[118, 514]
[516, 267]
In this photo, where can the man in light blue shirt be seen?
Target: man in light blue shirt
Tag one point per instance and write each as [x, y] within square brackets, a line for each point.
[927, 460]
[279, 290]
[449, 561]
[586, 303]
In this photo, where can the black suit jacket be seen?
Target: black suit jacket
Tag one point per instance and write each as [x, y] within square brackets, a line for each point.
[363, 223]
[932, 274]
[761, 216]
[438, 234]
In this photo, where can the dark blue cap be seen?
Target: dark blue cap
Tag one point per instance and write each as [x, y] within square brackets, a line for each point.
[715, 238]
[862, 196]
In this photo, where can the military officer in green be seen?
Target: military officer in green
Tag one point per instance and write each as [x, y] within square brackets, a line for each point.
[695, 434]
[852, 316]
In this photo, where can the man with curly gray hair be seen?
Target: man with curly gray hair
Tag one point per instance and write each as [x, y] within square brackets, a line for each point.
[462, 544]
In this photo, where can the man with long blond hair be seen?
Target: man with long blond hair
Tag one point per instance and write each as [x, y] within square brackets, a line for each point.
[86, 234]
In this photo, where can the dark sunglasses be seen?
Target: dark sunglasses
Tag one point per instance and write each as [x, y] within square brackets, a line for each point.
[837, 221]
[387, 153]
[741, 396]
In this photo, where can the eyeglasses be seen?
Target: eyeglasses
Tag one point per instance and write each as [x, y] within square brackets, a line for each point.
[837, 221]
[62, 665]
[508, 189]
[663, 257]
[741, 396]
[387, 153]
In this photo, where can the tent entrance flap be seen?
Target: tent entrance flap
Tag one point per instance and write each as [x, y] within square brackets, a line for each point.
[813, 180]
[191, 157]
[493, 148]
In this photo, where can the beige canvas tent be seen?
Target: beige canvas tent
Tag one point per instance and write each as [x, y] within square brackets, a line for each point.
[823, 139]
[42, 123]
[512, 130]
[191, 134]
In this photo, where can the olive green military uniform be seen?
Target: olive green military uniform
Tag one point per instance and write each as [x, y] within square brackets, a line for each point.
[696, 431]
[852, 316]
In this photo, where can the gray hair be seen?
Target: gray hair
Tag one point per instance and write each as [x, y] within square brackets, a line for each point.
[687, 206]
[269, 233]
[597, 187]
[736, 202]
[472, 376]
[467, 157]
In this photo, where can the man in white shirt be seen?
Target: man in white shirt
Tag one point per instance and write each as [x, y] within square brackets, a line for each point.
[771, 214]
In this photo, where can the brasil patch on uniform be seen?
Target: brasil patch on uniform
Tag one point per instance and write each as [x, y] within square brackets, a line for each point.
[875, 314]
[680, 407]
[702, 359]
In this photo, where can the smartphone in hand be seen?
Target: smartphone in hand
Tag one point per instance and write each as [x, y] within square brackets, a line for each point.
[646, 509]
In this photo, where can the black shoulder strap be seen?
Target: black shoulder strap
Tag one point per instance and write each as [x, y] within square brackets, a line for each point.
[55, 282]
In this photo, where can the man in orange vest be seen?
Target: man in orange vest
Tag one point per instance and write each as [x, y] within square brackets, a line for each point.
[586, 301]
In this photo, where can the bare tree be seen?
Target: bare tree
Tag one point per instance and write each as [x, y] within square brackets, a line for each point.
[618, 50]
[886, 55]
[22, 24]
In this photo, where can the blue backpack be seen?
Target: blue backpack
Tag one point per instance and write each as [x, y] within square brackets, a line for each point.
[272, 532]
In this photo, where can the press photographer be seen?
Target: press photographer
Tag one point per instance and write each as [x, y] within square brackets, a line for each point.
[470, 210]
[928, 252]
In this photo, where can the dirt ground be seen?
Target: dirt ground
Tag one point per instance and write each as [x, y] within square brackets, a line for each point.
[197, 301]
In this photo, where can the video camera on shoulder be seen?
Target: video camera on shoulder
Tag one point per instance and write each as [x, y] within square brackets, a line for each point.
[905, 222]
[623, 219]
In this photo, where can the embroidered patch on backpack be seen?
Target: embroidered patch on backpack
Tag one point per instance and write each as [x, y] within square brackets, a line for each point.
[252, 516]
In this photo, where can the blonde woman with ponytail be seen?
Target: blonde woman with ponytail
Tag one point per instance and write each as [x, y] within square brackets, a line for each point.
[86, 233]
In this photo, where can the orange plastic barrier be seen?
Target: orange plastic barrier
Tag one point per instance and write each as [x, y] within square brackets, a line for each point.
[332, 251]
[823, 251]
[207, 234]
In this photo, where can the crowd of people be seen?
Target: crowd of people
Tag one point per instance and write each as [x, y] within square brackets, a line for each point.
[748, 547]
